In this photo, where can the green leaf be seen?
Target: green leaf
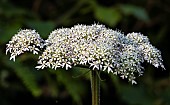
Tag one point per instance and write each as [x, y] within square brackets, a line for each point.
[74, 86]
[27, 76]
[44, 28]
[110, 16]
[165, 95]
[14, 12]
[52, 84]
[136, 95]
[9, 31]
[10, 11]
[136, 11]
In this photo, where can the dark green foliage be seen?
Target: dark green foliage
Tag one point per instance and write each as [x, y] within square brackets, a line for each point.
[136, 11]
[27, 76]
[77, 91]
[44, 28]
[29, 79]
[138, 94]
[109, 16]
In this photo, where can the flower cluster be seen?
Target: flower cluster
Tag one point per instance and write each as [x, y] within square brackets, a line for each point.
[94, 45]
[24, 40]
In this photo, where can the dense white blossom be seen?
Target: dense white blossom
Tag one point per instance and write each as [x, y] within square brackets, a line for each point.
[94, 45]
[24, 40]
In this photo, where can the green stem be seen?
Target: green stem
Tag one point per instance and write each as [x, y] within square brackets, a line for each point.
[95, 87]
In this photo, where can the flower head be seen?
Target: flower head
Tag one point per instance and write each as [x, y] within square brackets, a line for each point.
[24, 40]
[94, 45]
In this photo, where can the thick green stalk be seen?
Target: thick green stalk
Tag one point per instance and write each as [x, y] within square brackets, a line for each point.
[95, 87]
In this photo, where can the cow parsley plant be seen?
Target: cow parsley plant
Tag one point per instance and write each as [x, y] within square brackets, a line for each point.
[94, 45]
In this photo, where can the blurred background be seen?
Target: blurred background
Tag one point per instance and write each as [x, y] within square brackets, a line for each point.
[21, 83]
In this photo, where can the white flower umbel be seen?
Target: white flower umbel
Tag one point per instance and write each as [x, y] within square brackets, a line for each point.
[94, 45]
[24, 40]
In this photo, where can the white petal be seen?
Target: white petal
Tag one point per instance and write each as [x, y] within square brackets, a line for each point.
[38, 67]
[109, 70]
[68, 66]
[12, 57]
[7, 51]
[134, 82]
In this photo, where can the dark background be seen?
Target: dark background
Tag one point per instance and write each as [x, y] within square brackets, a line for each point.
[21, 83]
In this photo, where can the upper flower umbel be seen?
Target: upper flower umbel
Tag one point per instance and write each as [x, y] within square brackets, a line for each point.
[96, 46]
